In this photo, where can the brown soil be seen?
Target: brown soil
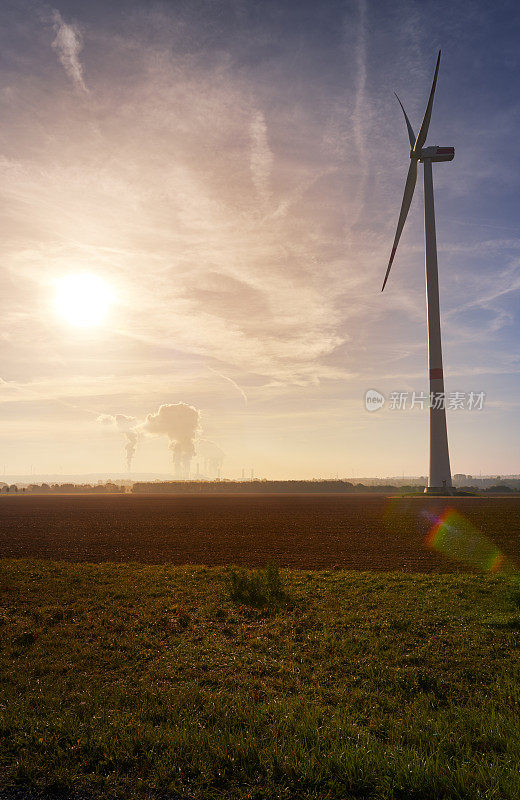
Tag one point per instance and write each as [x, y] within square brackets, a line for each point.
[362, 532]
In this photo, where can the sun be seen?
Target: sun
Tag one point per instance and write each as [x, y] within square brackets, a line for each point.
[83, 299]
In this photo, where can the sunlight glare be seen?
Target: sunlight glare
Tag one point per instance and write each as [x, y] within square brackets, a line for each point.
[83, 299]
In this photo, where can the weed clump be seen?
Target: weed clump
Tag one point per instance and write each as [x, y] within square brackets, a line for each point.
[259, 589]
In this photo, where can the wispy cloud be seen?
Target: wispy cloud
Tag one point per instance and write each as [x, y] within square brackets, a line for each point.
[261, 156]
[15, 392]
[238, 188]
[68, 44]
[359, 113]
[232, 382]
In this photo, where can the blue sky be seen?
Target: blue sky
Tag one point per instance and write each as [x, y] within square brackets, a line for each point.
[234, 172]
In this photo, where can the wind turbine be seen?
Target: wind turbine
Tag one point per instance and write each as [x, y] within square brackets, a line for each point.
[440, 473]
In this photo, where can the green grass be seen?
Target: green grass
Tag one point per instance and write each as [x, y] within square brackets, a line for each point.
[260, 588]
[133, 681]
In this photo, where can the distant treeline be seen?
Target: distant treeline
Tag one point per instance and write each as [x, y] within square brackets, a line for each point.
[259, 487]
[290, 487]
[63, 488]
[238, 487]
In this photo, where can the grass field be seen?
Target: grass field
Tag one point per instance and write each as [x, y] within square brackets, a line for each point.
[134, 681]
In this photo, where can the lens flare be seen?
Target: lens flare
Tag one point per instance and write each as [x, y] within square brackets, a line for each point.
[455, 537]
[449, 533]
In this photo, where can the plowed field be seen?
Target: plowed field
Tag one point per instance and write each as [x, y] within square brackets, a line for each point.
[361, 532]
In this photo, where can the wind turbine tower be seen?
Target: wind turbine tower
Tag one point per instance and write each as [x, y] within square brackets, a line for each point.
[440, 474]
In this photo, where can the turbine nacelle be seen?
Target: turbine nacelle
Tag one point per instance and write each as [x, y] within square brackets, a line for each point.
[436, 153]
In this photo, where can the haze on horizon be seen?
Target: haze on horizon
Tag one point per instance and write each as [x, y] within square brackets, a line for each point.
[219, 184]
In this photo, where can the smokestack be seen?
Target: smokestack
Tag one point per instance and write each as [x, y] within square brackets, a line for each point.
[180, 423]
[213, 457]
[242, 473]
[252, 473]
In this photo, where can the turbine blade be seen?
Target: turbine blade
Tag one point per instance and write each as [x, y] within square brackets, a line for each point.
[423, 132]
[411, 134]
[411, 179]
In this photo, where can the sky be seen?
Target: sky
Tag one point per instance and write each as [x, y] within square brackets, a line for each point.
[230, 174]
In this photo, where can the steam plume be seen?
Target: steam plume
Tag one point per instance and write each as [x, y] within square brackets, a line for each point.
[126, 425]
[68, 45]
[131, 444]
[180, 423]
